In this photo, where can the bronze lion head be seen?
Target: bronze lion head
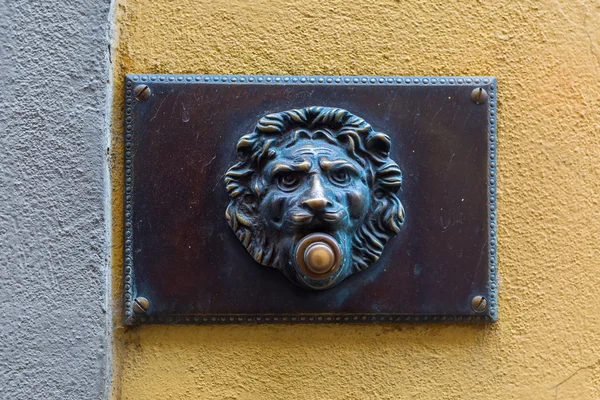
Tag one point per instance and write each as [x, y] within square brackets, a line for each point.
[314, 194]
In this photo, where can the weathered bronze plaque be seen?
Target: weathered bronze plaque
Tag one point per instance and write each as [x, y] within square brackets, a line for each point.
[309, 199]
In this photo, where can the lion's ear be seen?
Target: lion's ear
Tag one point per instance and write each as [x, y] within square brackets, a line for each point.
[246, 143]
[380, 144]
[390, 213]
[389, 177]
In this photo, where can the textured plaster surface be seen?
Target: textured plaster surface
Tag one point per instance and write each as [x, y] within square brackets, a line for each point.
[53, 241]
[546, 56]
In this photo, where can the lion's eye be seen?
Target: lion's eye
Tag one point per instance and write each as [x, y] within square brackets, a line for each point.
[288, 181]
[341, 177]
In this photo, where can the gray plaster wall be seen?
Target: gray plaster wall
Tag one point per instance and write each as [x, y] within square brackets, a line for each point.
[53, 239]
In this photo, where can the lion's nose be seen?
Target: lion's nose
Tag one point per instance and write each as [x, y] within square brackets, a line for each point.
[317, 203]
[316, 199]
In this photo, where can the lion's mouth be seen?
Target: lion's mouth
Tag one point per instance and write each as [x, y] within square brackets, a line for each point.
[305, 218]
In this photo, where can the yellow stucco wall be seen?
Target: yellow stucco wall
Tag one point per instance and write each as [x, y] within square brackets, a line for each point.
[546, 56]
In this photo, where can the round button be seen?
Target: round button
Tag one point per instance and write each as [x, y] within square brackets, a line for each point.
[319, 258]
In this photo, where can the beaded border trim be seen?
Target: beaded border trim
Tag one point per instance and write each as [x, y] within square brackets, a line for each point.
[491, 313]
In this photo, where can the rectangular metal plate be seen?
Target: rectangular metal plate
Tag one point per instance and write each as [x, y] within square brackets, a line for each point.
[180, 254]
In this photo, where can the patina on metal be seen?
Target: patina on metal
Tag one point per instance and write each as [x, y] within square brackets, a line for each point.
[309, 199]
[314, 171]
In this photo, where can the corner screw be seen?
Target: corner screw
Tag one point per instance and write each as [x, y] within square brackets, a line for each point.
[479, 304]
[140, 305]
[478, 95]
[141, 92]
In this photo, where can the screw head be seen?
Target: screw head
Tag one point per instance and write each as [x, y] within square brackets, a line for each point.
[140, 305]
[142, 92]
[479, 304]
[479, 95]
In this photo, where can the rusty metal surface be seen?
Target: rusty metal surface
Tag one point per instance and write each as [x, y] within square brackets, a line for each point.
[184, 260]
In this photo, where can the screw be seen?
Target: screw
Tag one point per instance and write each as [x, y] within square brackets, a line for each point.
[141, 92]
[140, 305]
[479, 304]
[478, 95]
